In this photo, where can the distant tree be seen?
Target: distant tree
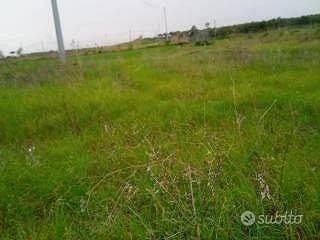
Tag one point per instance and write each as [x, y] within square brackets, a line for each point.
[1, 55]
[198, 37]
[207, 25]
[304, 20]
[73, 44]
[277, 23]
[20, 51]
[193, 28]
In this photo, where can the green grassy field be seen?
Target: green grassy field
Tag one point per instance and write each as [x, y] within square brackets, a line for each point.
[164, 143]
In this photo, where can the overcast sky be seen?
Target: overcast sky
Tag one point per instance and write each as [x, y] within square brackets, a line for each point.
[29, 23]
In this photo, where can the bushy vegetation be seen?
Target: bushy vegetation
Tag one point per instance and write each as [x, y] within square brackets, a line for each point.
[277, 23]
[260, 26]
[163, 143]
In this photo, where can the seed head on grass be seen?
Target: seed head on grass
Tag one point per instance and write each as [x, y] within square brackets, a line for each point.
[264, 187]
[31, 158]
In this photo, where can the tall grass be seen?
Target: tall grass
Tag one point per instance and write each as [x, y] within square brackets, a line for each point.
[163, 143]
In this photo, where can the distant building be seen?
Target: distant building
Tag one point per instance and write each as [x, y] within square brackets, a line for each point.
[199, 37]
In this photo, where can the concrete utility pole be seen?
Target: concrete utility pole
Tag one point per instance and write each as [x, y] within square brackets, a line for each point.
[57, 23]
[166, 22]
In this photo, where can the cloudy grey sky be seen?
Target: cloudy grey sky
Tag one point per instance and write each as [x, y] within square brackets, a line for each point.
[29, 23]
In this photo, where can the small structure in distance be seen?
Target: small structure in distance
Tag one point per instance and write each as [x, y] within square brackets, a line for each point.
[199, 37]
